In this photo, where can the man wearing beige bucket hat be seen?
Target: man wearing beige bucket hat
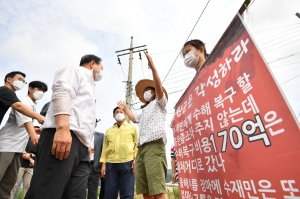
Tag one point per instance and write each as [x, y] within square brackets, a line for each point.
[151, 163]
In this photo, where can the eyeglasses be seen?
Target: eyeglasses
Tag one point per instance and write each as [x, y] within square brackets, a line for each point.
[22, 80]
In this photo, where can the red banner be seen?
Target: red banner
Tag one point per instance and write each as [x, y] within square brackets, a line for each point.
[234, 133]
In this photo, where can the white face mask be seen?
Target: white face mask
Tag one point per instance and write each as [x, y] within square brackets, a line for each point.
[98, 76]
[147, 95]
[120, 117]
[190, 60]
[38, 95]
[18, 85]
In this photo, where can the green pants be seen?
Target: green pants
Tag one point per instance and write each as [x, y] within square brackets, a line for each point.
[151, 168]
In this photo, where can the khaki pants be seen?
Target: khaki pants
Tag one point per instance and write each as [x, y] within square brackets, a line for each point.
[10, 163]
[25, 174]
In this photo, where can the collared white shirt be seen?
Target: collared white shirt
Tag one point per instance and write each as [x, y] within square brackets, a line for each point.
[13, 135]
[74, 94]
[152, 121]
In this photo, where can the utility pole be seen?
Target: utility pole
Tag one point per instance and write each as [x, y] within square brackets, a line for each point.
[244, 6]
[129, 80]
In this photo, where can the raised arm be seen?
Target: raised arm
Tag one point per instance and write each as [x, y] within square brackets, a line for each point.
[123, 106]
[156, 79]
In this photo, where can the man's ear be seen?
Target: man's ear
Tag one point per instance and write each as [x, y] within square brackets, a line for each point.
[30, 89]
[8, 79]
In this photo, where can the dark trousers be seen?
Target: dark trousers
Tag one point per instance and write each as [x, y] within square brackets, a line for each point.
[93, 182]
[119, 176]
[55, 179]
[102, 189]
[10, 162]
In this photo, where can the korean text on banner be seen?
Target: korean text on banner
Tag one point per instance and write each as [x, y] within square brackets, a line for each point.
[234, 133]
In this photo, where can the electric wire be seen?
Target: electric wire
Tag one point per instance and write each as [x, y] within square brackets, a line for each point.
[280, 46]
[123, 72]
[189, 73]
[290, 79]
[280, 72]
[291, 55]
[286, 34]
[284, 65]
[187, 39]
[279, 42]
[275, 28]
[143, 69]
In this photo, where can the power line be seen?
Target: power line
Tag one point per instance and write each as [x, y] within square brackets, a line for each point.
[187, 39]
[286, 34]
[281, 46]
[276, 28]
[123, 72]
[143, 69]
[189, 73]
[284, 65]
[178, 81]
[279, 41]
[177, 87]
[288, 70]
[176, 91]
[290, 79]
[283, 57]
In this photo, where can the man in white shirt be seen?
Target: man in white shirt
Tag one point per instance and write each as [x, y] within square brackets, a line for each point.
[14, 138]
[62, 163]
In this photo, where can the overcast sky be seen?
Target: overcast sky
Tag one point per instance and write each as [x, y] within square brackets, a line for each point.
[38, 38]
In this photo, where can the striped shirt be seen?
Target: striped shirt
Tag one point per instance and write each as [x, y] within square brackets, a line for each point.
[173, 155]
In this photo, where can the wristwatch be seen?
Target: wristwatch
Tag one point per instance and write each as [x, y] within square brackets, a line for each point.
[31, 155]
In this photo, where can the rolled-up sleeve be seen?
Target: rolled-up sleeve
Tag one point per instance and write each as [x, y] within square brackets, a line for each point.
[162, 102]
[65, 85]
[137, 117]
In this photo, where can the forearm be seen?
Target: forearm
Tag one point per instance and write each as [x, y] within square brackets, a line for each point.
[30, 129]
[130, 115]
[173, 165]
[157, 83]
[62, 122]
[25, 110]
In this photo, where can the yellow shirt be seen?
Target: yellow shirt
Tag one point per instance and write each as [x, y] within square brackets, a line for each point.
[120, 144]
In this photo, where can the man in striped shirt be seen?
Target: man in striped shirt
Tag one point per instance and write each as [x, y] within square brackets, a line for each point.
[174, 165]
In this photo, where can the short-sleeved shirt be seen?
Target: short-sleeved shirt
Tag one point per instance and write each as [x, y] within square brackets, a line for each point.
[7, 98]
[152, 121]
[13, 135]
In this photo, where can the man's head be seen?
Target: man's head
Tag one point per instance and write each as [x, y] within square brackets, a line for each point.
[15, 80]
[92, 62]
[119, 114]
[36, 90]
